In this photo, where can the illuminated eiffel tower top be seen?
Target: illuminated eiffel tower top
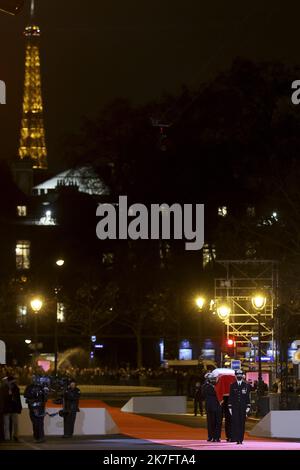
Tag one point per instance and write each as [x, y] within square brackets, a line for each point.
[32, 138]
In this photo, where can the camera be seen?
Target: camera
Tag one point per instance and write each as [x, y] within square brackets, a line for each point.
[58, 386]
[50, 385]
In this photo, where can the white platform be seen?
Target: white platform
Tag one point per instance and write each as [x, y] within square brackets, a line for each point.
[89, 421]
[156, 405]
[281, 424]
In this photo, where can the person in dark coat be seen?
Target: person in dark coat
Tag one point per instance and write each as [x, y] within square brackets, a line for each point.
[198, 399]
[180, 382]
[12, 407]
[213, 409]
[71, 408]
[36, 398]
[239, 405]
[227, 418]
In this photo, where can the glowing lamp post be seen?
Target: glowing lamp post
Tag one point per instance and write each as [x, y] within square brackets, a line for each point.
[259, 303]
[36, 305]
[59, 263]
[200, 301]
[223, 312]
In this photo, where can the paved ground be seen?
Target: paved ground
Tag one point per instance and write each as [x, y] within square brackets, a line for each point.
[122, 442]
[248, 444]
[114, 442]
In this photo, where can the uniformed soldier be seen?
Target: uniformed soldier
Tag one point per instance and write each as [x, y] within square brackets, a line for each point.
[198, 399]
[227, 418]
[71, 408]
[239, 405]
[213, 409]
[36, 397]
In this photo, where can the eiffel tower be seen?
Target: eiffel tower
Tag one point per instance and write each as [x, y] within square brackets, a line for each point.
[32, 139]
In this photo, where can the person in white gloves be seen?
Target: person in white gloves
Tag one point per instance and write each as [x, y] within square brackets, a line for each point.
[239, 405]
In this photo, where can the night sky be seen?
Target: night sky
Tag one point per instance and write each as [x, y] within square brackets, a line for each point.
[96, 50]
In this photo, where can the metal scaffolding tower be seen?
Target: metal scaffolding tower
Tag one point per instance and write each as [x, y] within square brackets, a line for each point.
[241, 279]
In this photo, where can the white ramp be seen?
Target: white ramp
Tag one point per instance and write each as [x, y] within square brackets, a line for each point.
[89, 421]
[156, 405]
[281, 424]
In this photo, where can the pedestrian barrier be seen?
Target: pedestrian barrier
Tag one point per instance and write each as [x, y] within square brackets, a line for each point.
[279, 424]
[156, 405]
[89, 421]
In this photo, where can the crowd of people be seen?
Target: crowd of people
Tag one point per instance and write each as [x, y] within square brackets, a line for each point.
[183, 380]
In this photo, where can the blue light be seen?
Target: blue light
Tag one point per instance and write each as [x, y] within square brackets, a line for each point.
[265, 359]
[93, 339]
[99, 346]
[185, 344]
[161, 350]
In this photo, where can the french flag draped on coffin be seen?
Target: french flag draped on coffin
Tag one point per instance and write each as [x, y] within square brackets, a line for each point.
[225, 377]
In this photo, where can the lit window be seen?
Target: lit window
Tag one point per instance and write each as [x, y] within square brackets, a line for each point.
[47, 219]
[209, 254]
[23, 255]
[21, 314]
[21, 211]
[251, 211]
[272, 219]
[222, 211]
[61, 312]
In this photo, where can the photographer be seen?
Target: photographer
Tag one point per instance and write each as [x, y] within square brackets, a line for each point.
[36, 395]
[71, 403]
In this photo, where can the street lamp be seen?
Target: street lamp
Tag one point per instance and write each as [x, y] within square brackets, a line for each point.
[36, 305]
[59, 263]
[259, 301]
[224, 312]
[200, 302]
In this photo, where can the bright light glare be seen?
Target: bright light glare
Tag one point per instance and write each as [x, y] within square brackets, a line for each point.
[200, 301]
[224, 312]
[259, 301]
[36, 305]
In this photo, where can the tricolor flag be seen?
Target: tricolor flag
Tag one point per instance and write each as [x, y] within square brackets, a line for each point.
[225, 377]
